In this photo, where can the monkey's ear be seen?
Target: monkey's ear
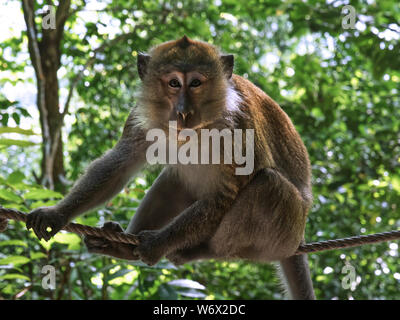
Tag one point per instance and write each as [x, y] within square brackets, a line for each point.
[227, 63]
[142, 62]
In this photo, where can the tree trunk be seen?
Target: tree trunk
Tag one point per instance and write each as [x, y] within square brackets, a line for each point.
[45, 55]
[50, 56]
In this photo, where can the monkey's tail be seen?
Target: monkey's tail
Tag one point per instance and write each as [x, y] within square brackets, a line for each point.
[296, 277]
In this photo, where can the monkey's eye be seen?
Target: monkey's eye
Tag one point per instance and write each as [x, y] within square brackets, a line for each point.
[195, 83]
[174, 83]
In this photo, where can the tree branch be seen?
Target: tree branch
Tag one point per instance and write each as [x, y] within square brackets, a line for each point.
[33, 44]
[62, 14]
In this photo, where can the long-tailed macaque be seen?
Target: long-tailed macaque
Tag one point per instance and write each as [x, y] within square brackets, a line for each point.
[201, 211]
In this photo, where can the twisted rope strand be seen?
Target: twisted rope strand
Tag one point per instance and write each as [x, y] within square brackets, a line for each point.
[76, 228]
[132, 239]
[347, 242]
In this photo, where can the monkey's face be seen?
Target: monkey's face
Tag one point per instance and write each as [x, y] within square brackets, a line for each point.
[191, 98]
[184, 81]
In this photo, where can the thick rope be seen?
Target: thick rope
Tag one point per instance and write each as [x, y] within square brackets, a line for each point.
[75, 228]
[348, 242]
[132, 239]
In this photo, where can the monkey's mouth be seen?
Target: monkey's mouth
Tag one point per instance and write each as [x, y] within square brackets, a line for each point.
[201, 125]
[178, 128]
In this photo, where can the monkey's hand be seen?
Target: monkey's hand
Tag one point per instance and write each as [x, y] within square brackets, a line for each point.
[151, 248]
[41, 219]
[110, 248]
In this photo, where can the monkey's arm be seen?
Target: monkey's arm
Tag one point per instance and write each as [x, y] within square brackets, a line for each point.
[195, 224]
[104, 178]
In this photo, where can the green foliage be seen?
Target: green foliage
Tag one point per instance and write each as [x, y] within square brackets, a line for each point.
[11, 110]
[340, 87]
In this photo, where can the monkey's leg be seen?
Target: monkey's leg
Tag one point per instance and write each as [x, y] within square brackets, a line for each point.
[265, 223]
[110, 248]
[166, 198]
[181, 256]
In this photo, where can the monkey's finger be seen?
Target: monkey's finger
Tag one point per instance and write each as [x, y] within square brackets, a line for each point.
[113, 226]
[42, 226]
[42, 230]
[37, 233]
[30, 220]
[49, 231]
[46, 234]
[99, 246]
[127, 250]
[35, 226]
[95, 242]
[136, 253]
[52, 229]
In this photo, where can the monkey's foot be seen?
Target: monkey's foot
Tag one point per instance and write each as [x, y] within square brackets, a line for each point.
[150, 248]
[110, 248]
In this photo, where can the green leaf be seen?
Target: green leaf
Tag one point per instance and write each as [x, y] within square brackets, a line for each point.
[17, 130]
[15, 177]
[12, 276]
[40, 194]
[14, 260]
[5, 103]
[38, 255]
[14, 142]
[71, 239]
[43, 203]
[9, 196]
[46, 244]
[167, 292]
[13, 243]
[119, 273]
[4, 118]
[317, 113]
[396, 183]
[16, 118]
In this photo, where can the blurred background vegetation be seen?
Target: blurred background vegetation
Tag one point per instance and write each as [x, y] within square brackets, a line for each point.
[66, 92]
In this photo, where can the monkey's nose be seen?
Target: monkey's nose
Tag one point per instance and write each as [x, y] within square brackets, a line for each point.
[183, 116]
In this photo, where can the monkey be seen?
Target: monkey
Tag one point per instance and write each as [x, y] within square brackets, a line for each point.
[201, 211]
